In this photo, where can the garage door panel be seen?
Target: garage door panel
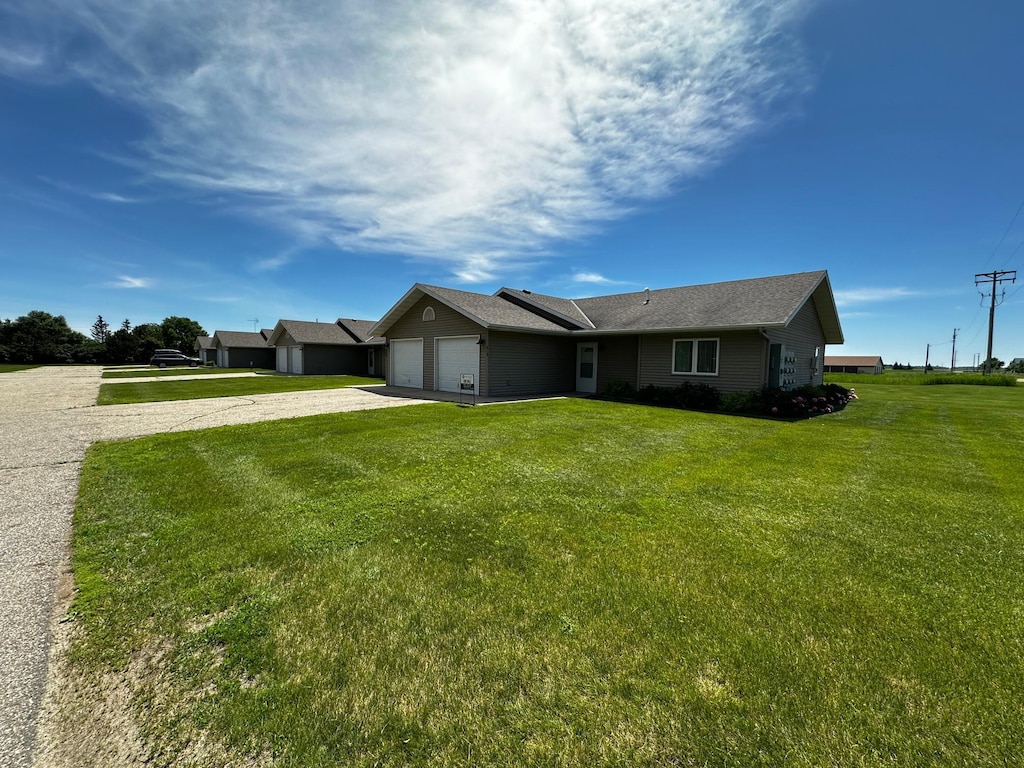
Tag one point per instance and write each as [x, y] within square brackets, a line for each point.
[295, 355]
[456, 356]
[407, 363]
[282, 359]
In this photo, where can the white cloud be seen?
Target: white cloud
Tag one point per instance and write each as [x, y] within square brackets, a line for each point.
[471, 133]
[124, 281]
[595, 278]
[871, 295]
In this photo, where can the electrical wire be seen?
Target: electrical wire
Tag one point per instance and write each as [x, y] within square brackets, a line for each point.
[1003, 238]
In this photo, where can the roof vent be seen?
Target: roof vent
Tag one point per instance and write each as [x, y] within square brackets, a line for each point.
[525, 291]
[647, 295]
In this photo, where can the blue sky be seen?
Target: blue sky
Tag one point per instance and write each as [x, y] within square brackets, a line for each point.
[263, 159]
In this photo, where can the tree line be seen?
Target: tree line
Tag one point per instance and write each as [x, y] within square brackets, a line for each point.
[40, 337]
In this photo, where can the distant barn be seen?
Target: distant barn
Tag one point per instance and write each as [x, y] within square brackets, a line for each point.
[840, 364]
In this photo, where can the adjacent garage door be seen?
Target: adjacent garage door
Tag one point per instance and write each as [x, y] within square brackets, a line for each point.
[295, 354]
[282, 359]
[455, 357]
[407, 363]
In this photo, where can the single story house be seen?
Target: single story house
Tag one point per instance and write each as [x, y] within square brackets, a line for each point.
[342, 347]
[242, 349]
[736, 336]
[853, 364]
[205, 349]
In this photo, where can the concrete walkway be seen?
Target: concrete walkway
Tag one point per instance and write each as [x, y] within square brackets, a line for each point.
[47, 420]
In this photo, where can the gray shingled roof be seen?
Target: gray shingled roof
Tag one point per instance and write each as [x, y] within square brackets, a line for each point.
[358, 328]
[765, 301]
[488, 311]
[306, 332]
[758, 303]
[494, 311]
[234, 339]
[204, 342]
[566, 308]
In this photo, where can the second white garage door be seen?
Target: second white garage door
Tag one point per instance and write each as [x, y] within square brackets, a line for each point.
[407, 363]
[454, 357]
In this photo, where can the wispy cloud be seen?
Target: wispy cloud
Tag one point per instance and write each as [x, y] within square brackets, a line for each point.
[108, 197]
[124, 281]
[472, 133]
[594, 278]
[112, 197]
[853, 296]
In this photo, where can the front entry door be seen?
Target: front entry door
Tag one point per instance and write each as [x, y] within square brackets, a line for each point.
[775, 366]
[586, 367]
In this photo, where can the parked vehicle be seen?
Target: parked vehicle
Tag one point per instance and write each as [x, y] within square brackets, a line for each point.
[165, 357]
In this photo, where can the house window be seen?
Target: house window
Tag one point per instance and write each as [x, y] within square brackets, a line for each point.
[695, 356]
[428, 314]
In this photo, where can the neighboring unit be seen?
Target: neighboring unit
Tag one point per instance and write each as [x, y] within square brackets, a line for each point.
[241, 349]
[342, 347]
[205, 349]
[853, 364]
[736, 336]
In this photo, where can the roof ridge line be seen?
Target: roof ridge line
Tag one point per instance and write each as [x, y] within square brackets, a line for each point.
[585, 315]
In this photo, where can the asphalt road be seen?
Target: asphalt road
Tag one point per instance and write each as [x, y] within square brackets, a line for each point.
[47, 420]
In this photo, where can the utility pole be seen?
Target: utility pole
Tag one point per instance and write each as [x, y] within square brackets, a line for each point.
[997, 277]
[952, 360]
[927, 351]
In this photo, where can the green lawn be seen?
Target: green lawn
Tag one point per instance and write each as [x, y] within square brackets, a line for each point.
[155, 391]
[574, 583]
[13, 367]
[179, 371]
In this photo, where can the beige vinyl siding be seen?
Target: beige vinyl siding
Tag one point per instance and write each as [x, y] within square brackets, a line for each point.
[530, 364]
[616, 360]
[742, 361]
[801, 337]
[446, 322]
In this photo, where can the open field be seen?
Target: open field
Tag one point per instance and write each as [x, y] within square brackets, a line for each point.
[183, 370]
[565, 583]
[158, 391]
[913, 378]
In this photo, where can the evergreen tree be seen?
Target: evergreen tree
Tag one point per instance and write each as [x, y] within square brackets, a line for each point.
[100, 329]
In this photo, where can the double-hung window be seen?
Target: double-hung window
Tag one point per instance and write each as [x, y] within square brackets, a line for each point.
[695, 356]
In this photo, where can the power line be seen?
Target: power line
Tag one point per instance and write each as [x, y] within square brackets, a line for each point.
[1008, 228]
[997, 277]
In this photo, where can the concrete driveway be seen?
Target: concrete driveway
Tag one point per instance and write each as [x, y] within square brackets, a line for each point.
[47, 420]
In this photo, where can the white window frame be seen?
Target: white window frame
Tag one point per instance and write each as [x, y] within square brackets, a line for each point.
[693, 356]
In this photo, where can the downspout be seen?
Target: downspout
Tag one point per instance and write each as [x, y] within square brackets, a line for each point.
[639, 358]
[765, 356]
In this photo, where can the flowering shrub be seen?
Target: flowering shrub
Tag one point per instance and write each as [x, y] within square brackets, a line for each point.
[799, 403]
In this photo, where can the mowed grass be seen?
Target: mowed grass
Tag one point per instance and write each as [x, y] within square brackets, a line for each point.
[114, 393]
[180, 371]
[570, 583]
[15, 367]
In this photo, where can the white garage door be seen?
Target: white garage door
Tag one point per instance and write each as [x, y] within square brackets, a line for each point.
[454, 358]
[282, 359]
[407, 363]
[295, 353]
